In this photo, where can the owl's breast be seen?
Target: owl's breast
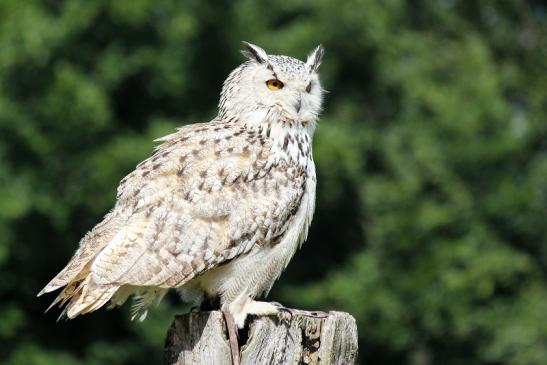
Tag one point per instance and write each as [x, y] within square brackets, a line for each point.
[254, 273]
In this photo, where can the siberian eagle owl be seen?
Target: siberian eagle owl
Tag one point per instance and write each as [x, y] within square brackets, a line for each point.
[219, 208]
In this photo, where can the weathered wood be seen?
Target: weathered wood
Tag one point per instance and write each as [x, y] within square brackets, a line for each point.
[201, 338]
[197, 338]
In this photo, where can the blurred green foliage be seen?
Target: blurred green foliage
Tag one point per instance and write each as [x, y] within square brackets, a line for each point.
[431, 222]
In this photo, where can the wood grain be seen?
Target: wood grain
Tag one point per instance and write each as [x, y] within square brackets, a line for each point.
[201, 338]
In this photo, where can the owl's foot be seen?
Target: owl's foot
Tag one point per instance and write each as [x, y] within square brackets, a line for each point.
[251, 307]
[244, 306]
[232, 337]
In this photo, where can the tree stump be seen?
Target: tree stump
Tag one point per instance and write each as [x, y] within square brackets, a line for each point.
[201, 338]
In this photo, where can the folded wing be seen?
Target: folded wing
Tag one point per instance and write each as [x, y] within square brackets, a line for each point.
[208, 194]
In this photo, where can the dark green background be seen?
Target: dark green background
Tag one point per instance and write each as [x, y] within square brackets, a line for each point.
[431, 220]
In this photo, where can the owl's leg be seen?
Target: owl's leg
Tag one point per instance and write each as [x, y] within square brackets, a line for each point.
[244, 306]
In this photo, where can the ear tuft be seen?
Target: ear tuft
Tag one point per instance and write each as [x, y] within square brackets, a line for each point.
[254, 53]
[315, 58]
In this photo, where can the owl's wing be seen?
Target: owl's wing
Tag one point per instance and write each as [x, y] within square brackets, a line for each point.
[202, 199]
[208, 194]
[123, 218]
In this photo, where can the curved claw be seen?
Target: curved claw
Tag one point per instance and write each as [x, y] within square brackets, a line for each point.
[285, 313]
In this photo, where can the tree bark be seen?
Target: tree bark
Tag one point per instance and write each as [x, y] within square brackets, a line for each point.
[201, 338]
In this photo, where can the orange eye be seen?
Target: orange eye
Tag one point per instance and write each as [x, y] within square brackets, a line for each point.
[274, 84]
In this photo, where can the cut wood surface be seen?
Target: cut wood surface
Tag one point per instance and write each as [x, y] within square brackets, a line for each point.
[201, 338]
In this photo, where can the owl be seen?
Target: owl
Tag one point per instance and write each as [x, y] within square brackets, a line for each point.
[218, 209]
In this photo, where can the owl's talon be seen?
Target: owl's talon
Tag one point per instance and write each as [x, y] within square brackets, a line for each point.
[284, 314]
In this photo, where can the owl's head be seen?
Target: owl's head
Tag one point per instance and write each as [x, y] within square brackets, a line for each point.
[274, 87]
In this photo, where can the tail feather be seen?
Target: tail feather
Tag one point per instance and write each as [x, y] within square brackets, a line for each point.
[91, 297]
[76, 270]
[64, 296]
[83, 297]
[74, 296]
[90, 245]
[64, 277]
